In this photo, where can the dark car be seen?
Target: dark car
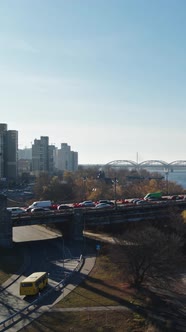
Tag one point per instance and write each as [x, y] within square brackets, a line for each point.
[104, 206]
[16, 211]
[40, 211]
[64, 207]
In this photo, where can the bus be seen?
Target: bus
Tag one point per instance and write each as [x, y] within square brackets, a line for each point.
[34, 283]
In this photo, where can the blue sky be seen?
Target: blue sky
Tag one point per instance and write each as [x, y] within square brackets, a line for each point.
[108, 77]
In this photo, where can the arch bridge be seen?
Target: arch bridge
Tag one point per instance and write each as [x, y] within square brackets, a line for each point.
[155, 164]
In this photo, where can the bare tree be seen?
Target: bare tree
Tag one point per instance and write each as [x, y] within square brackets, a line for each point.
[148, 254]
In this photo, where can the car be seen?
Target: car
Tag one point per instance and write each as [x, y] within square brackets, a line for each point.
[85, 204]
[104, 206]
[142, 202]
[40, 211]
[16, 211]
[64, 207]
[106, 201]
[135, 200]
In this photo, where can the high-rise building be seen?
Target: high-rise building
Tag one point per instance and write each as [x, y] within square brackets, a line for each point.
[25, 153]
[11, 154]
[74, 161]
[40, 156]
[3, 129]
[67, 159]
[51, 158]
[8, 152]
[43, 156]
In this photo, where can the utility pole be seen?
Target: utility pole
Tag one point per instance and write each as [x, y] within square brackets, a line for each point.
[115, 181]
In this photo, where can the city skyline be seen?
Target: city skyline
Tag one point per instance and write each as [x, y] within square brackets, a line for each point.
[107, 77]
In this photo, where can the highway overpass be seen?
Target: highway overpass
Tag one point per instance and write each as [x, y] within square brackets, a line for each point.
[74, 222]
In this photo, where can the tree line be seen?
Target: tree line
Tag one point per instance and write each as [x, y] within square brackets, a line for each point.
[145, 252]
[94, 184]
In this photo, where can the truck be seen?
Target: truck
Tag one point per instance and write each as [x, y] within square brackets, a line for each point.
[153, 196]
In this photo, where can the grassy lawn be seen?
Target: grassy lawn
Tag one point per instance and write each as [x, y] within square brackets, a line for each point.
[103, 287]
[11, 260]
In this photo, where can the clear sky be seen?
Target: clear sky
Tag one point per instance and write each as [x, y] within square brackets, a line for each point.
[108, 77]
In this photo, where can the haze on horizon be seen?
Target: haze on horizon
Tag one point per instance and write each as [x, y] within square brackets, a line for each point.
[106, 77]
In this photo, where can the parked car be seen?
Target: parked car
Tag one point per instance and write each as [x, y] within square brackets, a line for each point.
[16, 211]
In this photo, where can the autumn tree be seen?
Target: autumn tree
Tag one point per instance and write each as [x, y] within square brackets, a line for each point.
[88, 184]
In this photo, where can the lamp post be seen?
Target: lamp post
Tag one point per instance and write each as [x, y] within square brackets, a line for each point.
[63, 249]
[84, 186]
[167, 180]
[84, 236]
[115, 182]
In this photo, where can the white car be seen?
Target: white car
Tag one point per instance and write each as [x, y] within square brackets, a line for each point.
[16, 211]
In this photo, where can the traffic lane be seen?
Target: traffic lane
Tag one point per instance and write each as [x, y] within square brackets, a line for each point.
[33, 233]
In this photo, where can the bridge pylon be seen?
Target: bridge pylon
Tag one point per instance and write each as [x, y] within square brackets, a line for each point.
[5, 224]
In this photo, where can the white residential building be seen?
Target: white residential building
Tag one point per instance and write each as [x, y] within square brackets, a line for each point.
[67, 160]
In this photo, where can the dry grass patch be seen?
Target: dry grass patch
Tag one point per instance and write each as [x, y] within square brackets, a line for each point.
[108, 321]
[103, 287]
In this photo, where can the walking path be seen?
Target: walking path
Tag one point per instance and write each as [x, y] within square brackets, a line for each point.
[76, 278]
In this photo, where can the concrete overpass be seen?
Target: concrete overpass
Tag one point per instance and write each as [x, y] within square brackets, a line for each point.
[73, 223]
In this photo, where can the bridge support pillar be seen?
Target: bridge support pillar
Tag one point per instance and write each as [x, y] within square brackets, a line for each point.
[78, 224]
[5, 224]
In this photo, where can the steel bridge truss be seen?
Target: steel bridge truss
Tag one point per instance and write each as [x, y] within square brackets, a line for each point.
[177, 164]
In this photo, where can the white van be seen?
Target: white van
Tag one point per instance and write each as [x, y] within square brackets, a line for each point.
[40, 204]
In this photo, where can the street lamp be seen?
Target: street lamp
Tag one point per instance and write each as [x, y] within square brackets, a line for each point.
[115, 182]
[84, 186]
[84, 236]
[63, 249]
[167, 180]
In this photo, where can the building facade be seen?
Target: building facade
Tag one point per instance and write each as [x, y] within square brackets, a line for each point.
[67, 160]
[40, 161]
[8, 153]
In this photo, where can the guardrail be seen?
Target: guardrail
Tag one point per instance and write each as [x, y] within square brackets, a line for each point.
[60, 286]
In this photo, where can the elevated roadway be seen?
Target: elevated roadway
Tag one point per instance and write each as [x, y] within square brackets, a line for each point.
[73, 223]
[121, 214]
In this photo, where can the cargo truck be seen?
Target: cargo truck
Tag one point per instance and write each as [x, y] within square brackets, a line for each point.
[154, 196]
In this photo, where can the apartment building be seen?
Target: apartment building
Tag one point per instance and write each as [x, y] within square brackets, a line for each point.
[67, 160]
[8, 153]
